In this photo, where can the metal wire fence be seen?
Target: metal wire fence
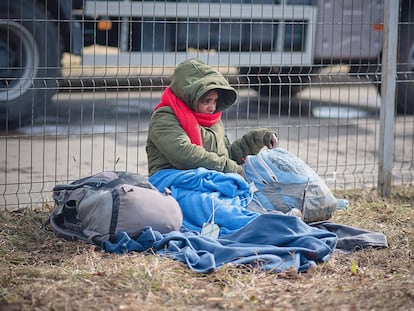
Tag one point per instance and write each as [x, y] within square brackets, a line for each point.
[78, 81]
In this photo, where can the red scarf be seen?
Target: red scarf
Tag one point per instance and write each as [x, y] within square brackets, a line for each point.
[189, 120]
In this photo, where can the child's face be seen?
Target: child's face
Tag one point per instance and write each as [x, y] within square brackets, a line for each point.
[207, 103]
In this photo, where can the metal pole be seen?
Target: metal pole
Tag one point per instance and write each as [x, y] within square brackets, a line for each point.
[124, 43]
[389, 68]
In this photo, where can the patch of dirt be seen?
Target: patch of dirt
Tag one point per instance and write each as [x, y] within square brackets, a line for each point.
[41, 272]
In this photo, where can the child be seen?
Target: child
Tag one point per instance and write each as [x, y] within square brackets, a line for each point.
[186, 130]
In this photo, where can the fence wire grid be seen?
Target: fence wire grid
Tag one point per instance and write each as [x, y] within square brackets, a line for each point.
[79, 79]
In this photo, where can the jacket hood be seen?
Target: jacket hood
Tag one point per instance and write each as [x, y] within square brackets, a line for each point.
[193, 78]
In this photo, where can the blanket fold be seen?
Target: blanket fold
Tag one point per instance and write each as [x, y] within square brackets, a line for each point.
[271, 242]
[200, 191]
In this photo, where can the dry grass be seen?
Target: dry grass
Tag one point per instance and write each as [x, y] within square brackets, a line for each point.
[40, 272]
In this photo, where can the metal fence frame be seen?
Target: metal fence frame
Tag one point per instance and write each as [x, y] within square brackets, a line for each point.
[20, 187]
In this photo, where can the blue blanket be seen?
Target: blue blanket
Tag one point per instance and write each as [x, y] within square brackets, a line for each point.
[200, 191]
[270, 242]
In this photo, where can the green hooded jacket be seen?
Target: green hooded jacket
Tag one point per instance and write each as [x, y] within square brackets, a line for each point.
[168, 145]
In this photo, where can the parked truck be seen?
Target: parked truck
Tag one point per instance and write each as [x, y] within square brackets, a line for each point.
[276, 45]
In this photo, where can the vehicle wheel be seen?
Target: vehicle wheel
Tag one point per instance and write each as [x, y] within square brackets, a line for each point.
[405, 63]
[29, 62]
[285, 81]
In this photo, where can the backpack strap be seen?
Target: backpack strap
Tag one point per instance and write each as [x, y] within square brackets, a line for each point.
[115, 212]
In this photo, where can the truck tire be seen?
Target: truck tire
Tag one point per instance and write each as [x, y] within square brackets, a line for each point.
[29, 62]
[405, 62]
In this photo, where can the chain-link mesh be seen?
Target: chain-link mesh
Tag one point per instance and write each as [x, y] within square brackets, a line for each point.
[79, 79]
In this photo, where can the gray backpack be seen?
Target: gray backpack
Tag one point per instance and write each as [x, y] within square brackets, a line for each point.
[96, 208]
[283, 182]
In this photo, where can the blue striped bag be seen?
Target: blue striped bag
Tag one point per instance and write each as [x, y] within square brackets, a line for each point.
[283, 182]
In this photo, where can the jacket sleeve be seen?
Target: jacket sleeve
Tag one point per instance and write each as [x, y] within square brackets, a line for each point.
[174, 144]
[250, 144]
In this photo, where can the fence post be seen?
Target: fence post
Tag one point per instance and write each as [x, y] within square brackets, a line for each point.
[389, 68]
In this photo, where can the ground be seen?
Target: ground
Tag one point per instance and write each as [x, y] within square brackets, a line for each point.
[38, 271]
